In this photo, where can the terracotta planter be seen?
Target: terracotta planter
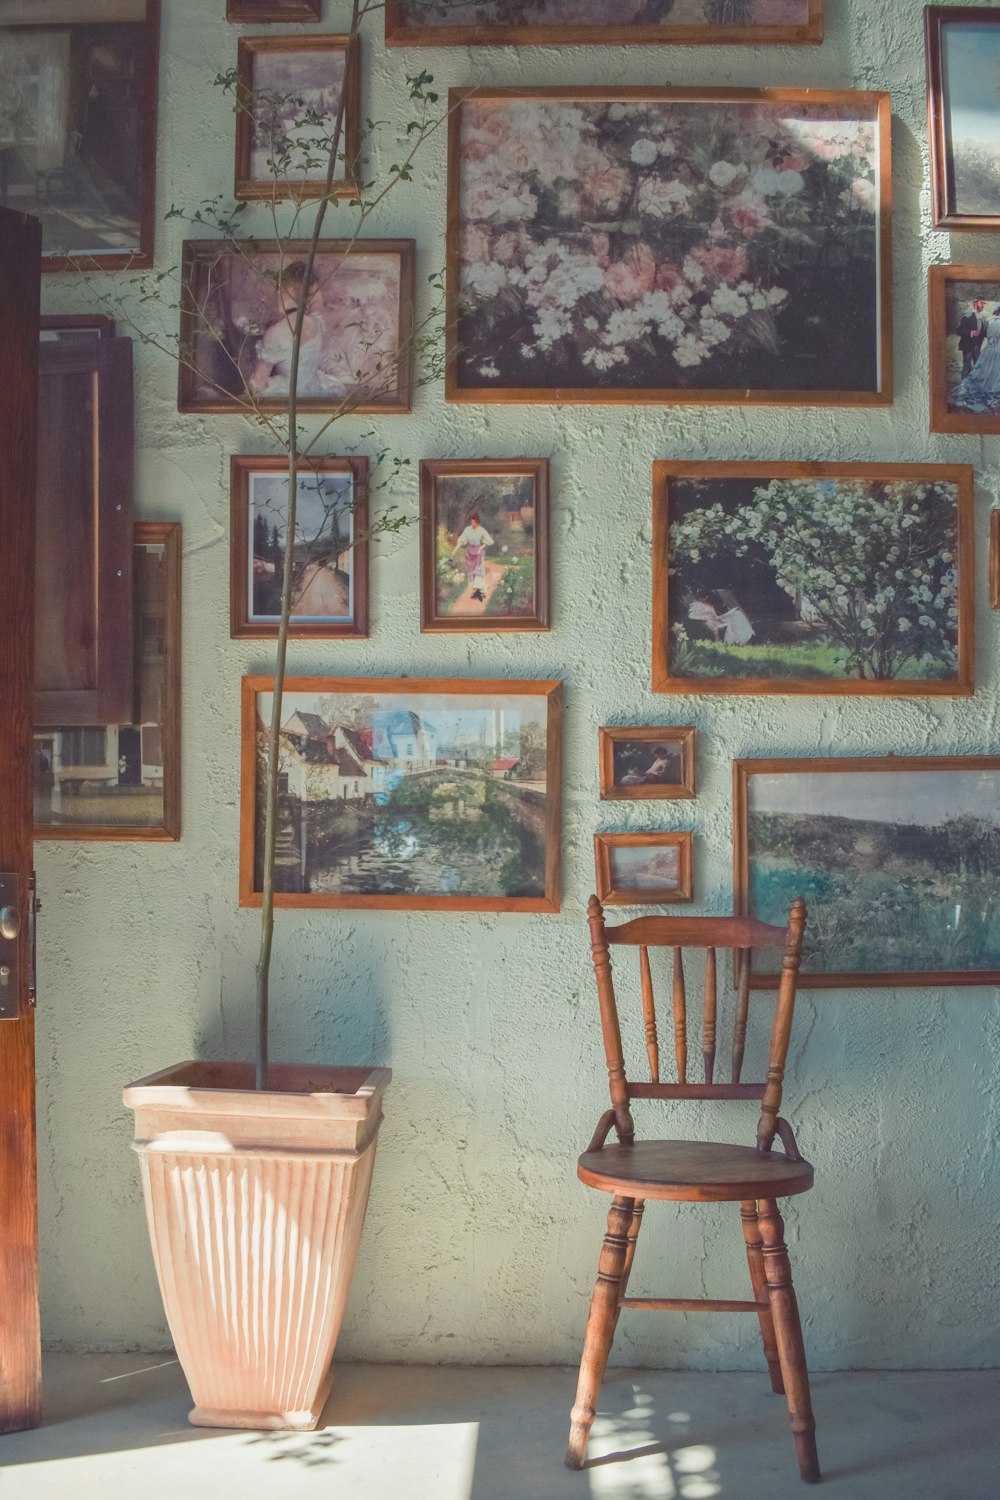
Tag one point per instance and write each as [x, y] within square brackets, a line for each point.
[255, 1204]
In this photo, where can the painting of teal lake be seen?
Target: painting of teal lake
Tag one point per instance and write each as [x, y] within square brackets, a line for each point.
[899, 868]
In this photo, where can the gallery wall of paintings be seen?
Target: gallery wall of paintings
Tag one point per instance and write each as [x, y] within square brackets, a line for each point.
[696, 532]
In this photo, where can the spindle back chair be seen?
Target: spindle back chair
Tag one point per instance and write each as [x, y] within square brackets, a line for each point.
[698, 1171]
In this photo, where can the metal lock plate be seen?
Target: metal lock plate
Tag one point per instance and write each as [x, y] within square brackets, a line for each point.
[10, 947]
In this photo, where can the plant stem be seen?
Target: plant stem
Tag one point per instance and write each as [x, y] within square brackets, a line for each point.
[274, 746]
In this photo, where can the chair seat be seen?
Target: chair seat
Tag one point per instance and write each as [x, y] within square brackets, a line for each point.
[693, 1171]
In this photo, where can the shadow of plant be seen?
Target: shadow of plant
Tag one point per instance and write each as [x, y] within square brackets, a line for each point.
[312, 1450]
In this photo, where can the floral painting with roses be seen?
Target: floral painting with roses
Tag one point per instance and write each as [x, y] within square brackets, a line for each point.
[666, 245]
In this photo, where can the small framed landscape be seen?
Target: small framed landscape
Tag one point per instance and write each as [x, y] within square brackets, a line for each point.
[238, 314]
[896, 858]
[407, 794]
[330, 567]
[963, 125]
[122, 781]
[484, 544]
[964, 317]
[813, 578]
[289, 93]
[735, 250]
[643, 869]
[611, 23]
[259, 12]
[647, 761]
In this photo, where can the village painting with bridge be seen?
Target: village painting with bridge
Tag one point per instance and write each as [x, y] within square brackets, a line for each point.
[407, 797]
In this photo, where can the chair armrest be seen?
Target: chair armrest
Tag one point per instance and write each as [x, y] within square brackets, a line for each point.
[603, 1130]
[787, 1137]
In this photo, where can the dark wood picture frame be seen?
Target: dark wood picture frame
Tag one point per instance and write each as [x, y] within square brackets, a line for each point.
[204, 261]
[612, 894]
[434, 469]
[960, 475]
[73, 14]
[399, 32]
[867, 767]
[271, 188]
[76, 326]
[995, 559]
[684, 736]
[872, 106]
[944, 210]
[260, 12]
[168, 830]
[243, 626]
[549, 691]
[944, 418]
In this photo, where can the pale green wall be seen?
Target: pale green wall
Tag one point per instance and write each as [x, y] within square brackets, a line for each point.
[481, 1245]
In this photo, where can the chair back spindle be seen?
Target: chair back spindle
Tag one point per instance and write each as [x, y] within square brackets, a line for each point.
[649, 1015]
[737, 934]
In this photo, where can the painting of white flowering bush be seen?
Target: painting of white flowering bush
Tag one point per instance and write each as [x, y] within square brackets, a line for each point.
[836, 579]
[650, 245]
[472, 22]
[896, 859]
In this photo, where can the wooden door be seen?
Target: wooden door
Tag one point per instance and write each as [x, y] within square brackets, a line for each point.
[20, 1357]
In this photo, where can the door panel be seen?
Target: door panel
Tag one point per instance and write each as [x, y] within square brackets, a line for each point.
[20, 1358]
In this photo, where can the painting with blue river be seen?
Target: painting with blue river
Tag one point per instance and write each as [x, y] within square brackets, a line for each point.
[897, 861]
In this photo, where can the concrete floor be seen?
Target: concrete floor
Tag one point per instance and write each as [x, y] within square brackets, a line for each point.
[115, 1426]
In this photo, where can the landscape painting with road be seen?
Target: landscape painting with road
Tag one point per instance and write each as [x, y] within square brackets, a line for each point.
[323, 564]
[408, 794]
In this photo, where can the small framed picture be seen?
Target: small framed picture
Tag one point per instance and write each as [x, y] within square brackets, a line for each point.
[407, 794]
[330, 566]
[646, 761]
[484, 544]
[289, 94]
[963, 123]
[238, 316]
[856, 579]
[964, 319]
[613, 23]
[57, 327]
[895, 856]
[123, 781]
[995, 559]
[643, 869]
[260, 12]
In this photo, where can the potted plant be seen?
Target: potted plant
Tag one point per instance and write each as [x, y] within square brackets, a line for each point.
[256, 1175]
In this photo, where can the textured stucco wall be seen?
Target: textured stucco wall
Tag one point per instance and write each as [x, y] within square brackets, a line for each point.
[480, 1244]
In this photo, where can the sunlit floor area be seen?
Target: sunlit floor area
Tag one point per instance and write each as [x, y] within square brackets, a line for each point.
[116, 1425]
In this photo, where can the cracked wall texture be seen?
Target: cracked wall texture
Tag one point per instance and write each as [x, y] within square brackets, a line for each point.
[480, 1244]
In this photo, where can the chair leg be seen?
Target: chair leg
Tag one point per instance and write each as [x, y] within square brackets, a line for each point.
[633, 1235]
[788, 1333]
[604, 1308]
[758, 1280]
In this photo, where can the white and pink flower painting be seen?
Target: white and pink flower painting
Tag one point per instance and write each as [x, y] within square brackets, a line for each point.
[667, 244]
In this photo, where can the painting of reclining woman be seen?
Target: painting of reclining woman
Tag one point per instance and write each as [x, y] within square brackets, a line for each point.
[813, 578]
[614, 22]
[239, 311]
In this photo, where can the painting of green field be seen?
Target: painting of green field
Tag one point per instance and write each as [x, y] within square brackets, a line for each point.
[897, 867]
[821, 579]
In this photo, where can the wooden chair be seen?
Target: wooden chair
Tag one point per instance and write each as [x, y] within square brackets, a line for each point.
[696, 1171]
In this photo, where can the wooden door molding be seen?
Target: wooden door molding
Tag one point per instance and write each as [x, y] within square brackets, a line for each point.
[20, 1343]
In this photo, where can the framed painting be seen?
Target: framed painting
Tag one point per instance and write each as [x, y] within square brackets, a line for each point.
[813, 578]
[330, 562]
[735, 250]
[78, 127]
[122, 781]
[896, 858]
[609, 23]
[647, 761]
[484, 544]
[289, 93]
[259, 12]
[55, 327]
[963, 123]
[643, 869]
[407, 794]
[238, 315]
[964, 319]
[995, 559]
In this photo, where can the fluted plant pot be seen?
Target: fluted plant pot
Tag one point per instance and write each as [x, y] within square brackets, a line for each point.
[255, 1202]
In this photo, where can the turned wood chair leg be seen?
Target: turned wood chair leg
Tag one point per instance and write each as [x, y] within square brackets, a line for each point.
[604, 1309]
[633, 1235]
[788, 1333]
[758, 1280]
